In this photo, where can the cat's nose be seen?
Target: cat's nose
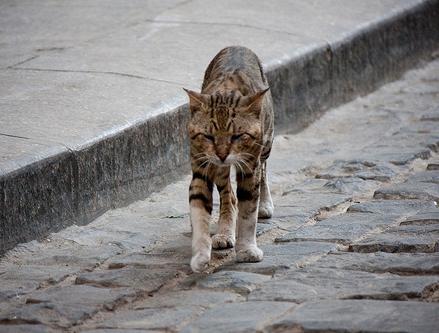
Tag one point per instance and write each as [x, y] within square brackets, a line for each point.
[222, 156]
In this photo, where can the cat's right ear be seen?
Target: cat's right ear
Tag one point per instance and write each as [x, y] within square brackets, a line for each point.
[196, 100]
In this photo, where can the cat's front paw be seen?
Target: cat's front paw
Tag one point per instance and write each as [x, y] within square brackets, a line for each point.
[249, 254]
[200, 261]
[221, 241]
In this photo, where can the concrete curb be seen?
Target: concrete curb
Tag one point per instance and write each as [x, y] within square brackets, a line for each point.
[77, 186]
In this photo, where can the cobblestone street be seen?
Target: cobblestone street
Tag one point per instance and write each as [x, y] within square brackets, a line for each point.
[352, 246]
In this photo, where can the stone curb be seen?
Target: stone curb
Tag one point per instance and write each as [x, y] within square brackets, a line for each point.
[78, 185]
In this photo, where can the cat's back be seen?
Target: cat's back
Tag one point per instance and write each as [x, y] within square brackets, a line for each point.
[235, 59]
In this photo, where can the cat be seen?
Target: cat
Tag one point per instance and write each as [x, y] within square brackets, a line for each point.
[231, 123]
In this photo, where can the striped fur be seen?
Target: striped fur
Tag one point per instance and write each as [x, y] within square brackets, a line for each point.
[231, 124]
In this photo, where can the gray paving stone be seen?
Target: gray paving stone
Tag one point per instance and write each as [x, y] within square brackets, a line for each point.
[342, 229]
[307, 203]
[194, 297]
[402, 157]
[392, 207]
[133, 277]
[358, 169]
[351, 185]
[240, 282]
[264, 226]
[25, 328]
[382, 262]
[65, 306]
[311, 283]
[420, 190]
[238, 317]
[62, 253]
[431, 176]
[17, 280]
[122, 330]
[407, 238]
[360, 316]
[91, 236]
[426, 217]
[279, 257]
[148, 260]
[165, 319]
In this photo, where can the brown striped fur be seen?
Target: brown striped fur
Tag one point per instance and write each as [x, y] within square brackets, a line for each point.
[231, 124]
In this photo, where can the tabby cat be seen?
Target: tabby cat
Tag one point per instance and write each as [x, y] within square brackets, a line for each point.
[231, 124]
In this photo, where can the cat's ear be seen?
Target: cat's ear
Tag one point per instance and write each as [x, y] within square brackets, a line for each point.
[253, 103]
[196, 99]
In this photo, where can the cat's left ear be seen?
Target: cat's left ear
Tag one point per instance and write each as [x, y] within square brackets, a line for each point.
[253, 103]
[196, 99]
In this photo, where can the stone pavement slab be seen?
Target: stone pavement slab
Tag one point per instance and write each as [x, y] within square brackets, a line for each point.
[241, 317]
[311, 283]
[364, 315]
[382, 262]
[278, 258]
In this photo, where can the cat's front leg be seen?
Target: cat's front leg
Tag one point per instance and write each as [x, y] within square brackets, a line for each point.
[200, 199]
[225, 236]
[248, 198]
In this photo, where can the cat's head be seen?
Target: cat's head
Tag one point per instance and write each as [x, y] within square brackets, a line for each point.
[225, 129]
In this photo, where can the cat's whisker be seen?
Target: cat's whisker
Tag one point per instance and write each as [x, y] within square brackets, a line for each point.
[239, 166]
[206, 169]
[245, 164]
[248, 154]
[204, 163]
[199, 158]
[258, 144]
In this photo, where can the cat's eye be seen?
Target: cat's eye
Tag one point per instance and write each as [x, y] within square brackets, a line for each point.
[209, 137]
[237, 136]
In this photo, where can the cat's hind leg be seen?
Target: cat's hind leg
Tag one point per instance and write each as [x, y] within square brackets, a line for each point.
[266, 206]
[225, 236]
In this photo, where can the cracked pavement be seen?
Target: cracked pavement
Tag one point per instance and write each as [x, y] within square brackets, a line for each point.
[352, 246]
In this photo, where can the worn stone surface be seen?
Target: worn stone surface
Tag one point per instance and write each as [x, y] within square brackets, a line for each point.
[407, 238]
[359, 168]
[382, 262]
[65, 306]
[196, 297]
[152, 319]
[148, 260]
[311, 283]
[283, 257]
[415, 190]
[25, 329]
[393, 207]
[340, 229]
[18, 280]
[425, 217]
[136, 278]
[240, 282]
[361, 316]
[239, 317]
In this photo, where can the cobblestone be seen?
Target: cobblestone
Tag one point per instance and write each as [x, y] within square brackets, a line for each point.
[355, 228]
[364, 315]
[313, 283]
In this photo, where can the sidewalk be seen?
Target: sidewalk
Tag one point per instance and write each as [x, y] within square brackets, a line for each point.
[352, 246]
[88, 88]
